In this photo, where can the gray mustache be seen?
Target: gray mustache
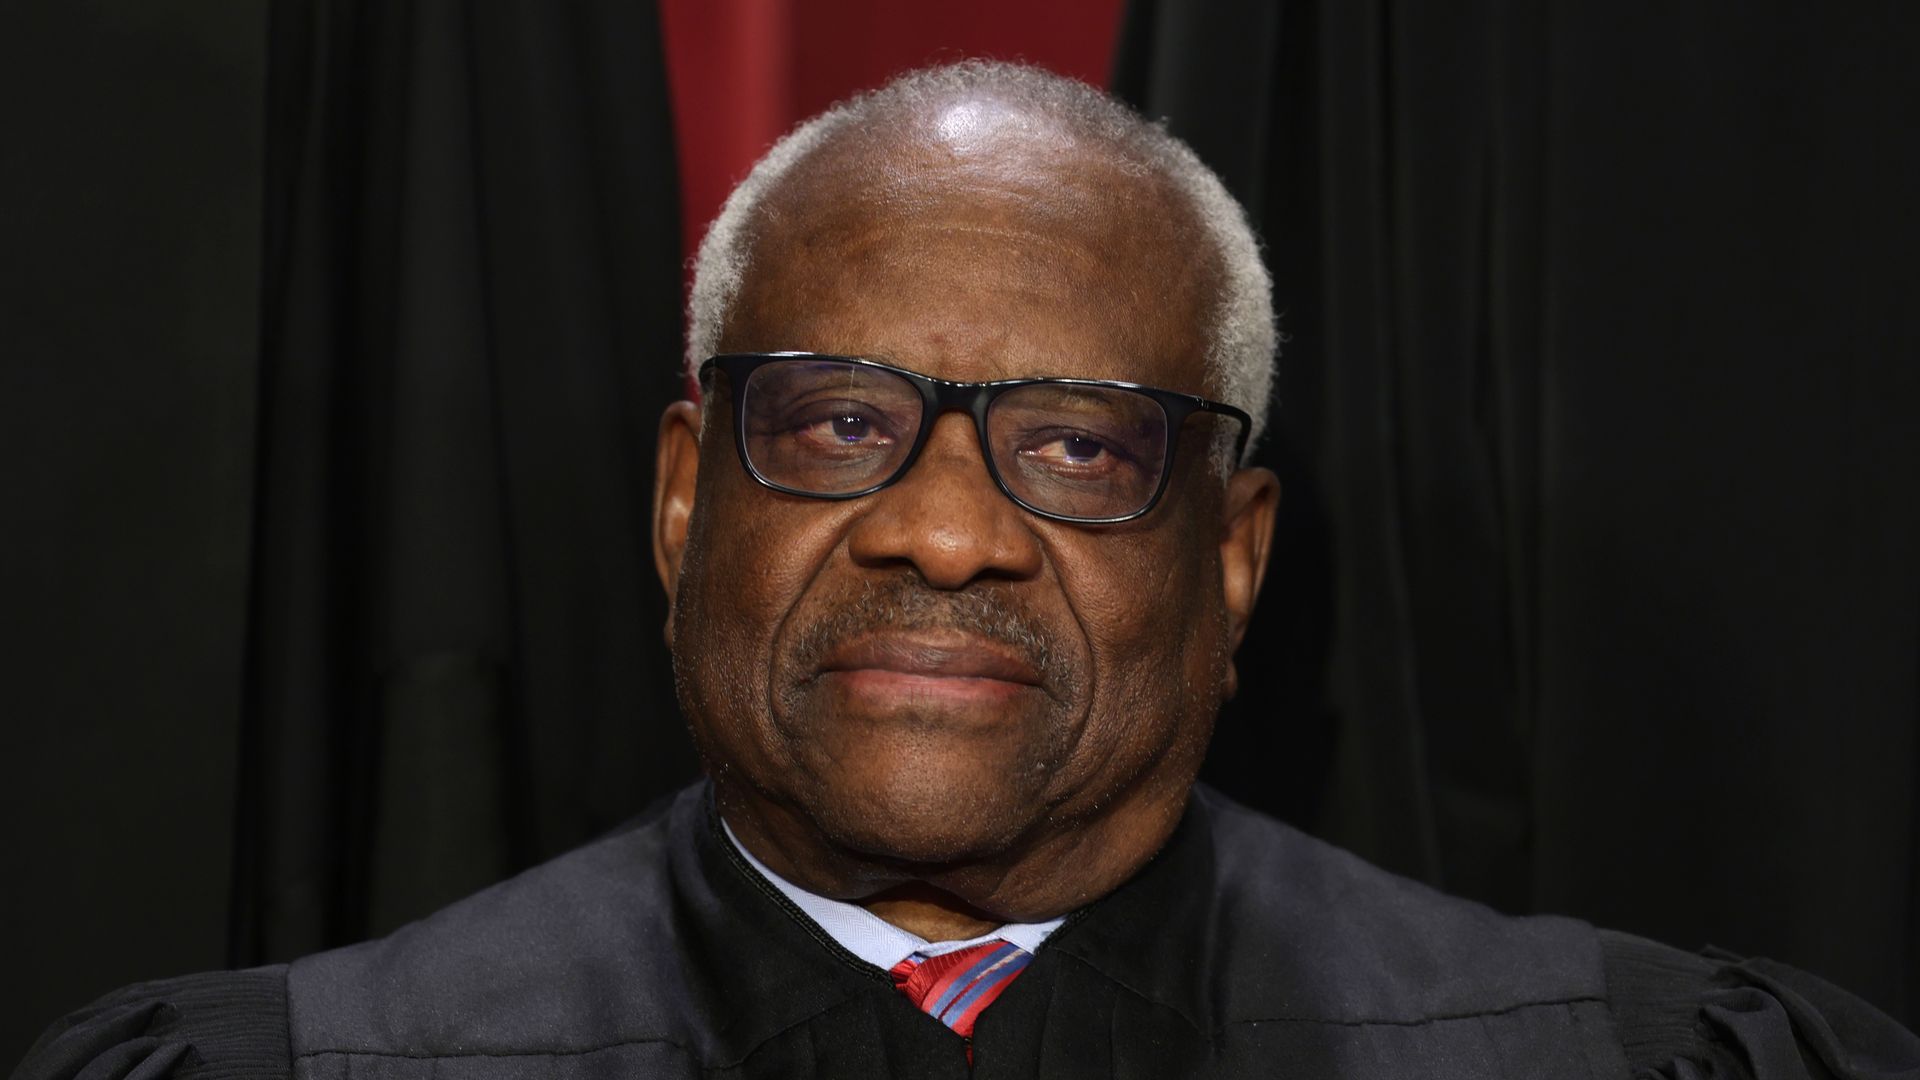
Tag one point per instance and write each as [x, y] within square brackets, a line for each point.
[903, 603]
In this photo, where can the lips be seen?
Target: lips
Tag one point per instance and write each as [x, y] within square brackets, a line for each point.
[932, 656]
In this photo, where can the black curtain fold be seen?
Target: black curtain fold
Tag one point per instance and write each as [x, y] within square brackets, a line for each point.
[471, 285]
[1601, 378]
[130, 210]
[335, 334]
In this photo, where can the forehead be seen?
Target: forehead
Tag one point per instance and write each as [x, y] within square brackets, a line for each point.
[975, 250]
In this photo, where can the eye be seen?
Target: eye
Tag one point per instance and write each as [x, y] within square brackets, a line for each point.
[1076, 454]
[842, 424]
[1078, 449]
[850, 428]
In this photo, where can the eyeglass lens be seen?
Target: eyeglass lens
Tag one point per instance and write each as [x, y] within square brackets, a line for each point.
[827, 428]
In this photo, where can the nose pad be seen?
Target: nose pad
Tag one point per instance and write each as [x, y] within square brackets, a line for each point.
[946, 517]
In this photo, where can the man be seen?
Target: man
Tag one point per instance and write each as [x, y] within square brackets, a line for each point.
[959, 553]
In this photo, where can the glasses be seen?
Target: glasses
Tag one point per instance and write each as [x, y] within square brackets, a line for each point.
[1088, 451]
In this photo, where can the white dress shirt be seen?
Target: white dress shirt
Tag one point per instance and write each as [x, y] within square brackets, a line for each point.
[874, 939]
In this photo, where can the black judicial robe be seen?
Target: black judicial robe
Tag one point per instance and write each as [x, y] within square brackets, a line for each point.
[1245, 949]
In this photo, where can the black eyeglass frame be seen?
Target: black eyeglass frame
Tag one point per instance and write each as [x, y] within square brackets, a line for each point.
[941, 396]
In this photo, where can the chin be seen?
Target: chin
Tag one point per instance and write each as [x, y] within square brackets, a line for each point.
[916, 810]
[925, 781]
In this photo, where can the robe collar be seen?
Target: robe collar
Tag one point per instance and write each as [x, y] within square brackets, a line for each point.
[767, 966]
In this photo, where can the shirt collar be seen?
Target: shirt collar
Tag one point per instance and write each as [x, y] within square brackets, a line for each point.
[874, 939]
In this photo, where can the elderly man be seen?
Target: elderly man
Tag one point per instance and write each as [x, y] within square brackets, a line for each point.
[959, 553]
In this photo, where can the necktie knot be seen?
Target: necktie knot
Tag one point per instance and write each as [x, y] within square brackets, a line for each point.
[955, 988]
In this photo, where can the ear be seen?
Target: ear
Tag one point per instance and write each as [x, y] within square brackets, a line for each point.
[676, 472]
[1246, 536]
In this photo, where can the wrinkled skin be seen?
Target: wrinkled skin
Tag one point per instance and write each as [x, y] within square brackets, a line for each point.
[929, 700]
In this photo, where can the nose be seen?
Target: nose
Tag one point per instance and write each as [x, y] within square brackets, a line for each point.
[946, 518]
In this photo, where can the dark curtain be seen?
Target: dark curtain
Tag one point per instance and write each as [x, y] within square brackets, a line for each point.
[1599, 417]
[336, 336]
[130, 206]
[470, 327]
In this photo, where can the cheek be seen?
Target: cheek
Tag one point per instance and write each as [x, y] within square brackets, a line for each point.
[1152, 611]
[749, 557]
[1156, 629]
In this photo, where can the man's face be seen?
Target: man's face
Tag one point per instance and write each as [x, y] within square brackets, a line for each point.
[931, 675]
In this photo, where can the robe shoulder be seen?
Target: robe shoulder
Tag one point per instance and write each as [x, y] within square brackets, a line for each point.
[1715, 1016]
[581, 955]
[525, 965]
[224, 1025]
[1369, 948]
[1341, 941]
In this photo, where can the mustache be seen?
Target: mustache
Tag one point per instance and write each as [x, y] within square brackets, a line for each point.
[904, 603]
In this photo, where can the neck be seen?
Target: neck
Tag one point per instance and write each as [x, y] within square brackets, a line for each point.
[928, 913]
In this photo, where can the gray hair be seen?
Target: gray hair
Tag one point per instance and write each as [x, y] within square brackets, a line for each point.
[1241, 341]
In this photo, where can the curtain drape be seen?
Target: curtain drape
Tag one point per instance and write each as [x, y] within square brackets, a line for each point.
[470, 325]
[1601, 388]
[130, 209]
[333, 339]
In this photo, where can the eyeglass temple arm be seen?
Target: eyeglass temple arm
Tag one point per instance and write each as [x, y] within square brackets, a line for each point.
[1201, 404]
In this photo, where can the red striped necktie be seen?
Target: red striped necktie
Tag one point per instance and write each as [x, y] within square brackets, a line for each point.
[955, 988]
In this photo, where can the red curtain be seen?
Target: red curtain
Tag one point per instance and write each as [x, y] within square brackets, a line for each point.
[742, 72]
